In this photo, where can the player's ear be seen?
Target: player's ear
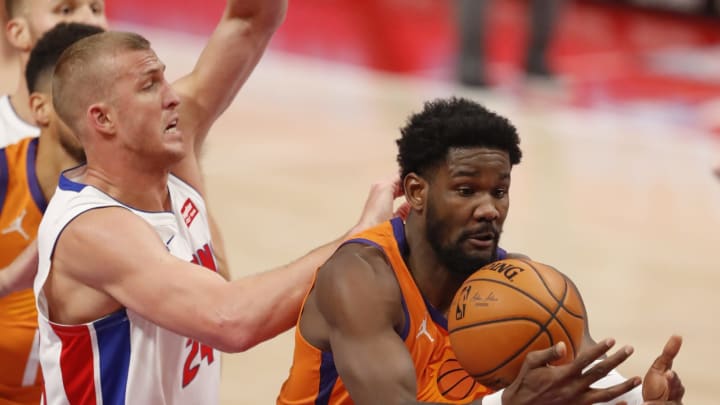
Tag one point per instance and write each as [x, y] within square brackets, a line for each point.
[40, 105]
[415, 191]
[100, 119]
[17, 33]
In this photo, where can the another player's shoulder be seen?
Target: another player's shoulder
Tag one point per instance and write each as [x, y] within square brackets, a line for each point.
[356, 264]
[359, 256]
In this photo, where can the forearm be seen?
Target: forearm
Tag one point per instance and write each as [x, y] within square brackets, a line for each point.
[265, 13]
[19, 274]
[271, 300]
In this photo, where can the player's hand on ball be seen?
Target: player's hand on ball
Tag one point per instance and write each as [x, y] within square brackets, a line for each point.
[661, 385]
[540, 384]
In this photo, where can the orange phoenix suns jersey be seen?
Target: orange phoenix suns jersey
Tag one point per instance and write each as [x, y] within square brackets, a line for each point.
[21, 207]
[314, 379]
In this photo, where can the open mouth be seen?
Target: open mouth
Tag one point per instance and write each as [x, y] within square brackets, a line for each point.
[482, 240]
[171, 128]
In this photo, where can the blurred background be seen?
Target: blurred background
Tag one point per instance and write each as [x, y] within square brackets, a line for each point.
[618, 108]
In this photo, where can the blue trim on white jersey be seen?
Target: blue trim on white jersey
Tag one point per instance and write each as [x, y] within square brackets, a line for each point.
[113, 341]
[68, 185]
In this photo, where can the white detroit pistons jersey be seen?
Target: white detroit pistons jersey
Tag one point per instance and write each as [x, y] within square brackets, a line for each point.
[124, 358]
[12, 127]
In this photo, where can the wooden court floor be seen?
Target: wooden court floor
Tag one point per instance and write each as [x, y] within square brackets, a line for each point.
[626, 206]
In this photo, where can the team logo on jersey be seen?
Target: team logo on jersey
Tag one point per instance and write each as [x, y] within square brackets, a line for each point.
[424, 331]
[191, 368]
[189, 211]
[16, 226]
[205, 258]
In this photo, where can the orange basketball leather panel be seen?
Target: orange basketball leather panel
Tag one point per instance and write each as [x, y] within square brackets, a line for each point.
[513, 307]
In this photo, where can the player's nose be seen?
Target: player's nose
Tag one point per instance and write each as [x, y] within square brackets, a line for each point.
[485, 209]
[170, 98]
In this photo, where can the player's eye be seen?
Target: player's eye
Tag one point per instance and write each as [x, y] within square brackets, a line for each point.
[65, 9]
[500, 193]
[97, 8]
[465, 191]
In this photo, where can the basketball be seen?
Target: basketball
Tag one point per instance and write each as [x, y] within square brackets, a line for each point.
[507, 309]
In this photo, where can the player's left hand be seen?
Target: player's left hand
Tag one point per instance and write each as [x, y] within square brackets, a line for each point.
[661, 385]
[380, 201]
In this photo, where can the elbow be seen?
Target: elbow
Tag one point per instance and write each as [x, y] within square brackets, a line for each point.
[234, 335]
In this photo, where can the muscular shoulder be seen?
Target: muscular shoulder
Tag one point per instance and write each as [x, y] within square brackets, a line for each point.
[357, 280]
[357, 263]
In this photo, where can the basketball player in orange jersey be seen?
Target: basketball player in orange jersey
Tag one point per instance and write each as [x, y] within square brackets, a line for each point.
[29, 170]
[28, 20]
[373, 329]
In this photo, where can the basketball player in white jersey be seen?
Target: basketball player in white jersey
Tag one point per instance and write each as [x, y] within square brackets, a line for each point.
[28, 20]
[126, 314]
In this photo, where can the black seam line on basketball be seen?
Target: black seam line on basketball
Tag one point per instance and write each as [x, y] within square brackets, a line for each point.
[514, 355]
[562, 303]
[542, 279]
[518, 318]
[553, 314]
[559, 303]
[514, 288]
[571, 313]
[543, 328]
[455, 385]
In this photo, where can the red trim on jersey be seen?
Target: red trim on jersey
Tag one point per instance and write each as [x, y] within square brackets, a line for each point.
[76, 364]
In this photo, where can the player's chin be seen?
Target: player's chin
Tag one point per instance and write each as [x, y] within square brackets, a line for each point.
[172, 134]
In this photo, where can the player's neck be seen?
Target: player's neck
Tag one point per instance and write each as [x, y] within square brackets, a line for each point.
[145, 190]
[20, 102]
[50, 161]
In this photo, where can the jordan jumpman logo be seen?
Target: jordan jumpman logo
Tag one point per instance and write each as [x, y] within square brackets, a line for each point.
[16, 226]
[423, 330]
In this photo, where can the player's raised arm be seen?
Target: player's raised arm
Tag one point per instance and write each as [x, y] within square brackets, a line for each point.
[225, 63]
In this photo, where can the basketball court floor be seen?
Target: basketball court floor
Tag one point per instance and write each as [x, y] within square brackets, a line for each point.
[626, 205]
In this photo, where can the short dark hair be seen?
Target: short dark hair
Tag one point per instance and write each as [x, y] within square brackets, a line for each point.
[448, 123]
[51, 45]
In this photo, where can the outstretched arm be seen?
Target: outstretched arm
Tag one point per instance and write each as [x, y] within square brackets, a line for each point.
[233, 50]
[235, 47]
[184, 297]
[19, 274]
